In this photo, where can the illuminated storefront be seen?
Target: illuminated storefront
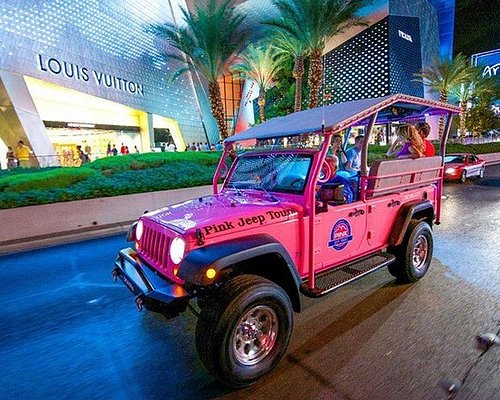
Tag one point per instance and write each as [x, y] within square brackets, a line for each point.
[489, 62]
[80, 72]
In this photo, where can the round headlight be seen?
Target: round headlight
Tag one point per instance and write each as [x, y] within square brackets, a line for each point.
[177, 248]
[139, 229]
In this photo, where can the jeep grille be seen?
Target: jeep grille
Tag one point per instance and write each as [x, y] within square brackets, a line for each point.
[154, 245]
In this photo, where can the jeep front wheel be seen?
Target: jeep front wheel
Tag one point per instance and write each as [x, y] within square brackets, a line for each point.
[243, 332]
[414, 256]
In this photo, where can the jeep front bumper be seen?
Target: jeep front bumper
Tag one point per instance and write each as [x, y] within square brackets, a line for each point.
[151, 290]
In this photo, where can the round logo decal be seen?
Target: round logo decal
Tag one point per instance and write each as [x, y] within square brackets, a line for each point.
[341, 235]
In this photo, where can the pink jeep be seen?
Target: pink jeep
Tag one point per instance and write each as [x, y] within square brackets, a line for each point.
[281, 227]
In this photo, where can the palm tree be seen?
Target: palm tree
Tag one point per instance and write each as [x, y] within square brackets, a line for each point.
[443, 75]
[260, 64]
[291, 46]
[471, 92]
[213, 35]
[313, 22]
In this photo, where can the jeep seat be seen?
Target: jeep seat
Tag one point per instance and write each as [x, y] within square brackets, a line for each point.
[389, 176]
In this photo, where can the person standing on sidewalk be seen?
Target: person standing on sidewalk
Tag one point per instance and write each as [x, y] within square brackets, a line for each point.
[11, 159]
[23, 155]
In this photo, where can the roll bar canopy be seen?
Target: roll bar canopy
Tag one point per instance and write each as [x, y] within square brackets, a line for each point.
[337, 117]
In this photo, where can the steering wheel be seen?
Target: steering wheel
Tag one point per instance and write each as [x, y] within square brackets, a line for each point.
[325, 173]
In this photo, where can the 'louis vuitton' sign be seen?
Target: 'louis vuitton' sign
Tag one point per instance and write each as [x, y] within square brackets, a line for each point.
[52, 65]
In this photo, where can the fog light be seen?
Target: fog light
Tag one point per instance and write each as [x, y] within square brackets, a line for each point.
[211, 273]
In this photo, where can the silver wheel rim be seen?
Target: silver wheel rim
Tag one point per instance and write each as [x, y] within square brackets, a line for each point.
[463, 177]
[420, 250]
[481, 172]
[255, 335]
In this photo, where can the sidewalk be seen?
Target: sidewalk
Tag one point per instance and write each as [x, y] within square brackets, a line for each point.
[28, 228]
[491, 159]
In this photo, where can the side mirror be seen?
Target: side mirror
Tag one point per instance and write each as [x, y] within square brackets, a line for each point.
[223, 172]
[325, 172]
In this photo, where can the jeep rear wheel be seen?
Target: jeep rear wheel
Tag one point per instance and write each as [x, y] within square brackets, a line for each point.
[243, 332]
[414, 256]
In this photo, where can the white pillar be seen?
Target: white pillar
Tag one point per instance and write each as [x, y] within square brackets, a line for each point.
[21, 121]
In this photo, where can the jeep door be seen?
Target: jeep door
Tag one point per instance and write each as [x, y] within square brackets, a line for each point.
[339, 234]
[381, 216]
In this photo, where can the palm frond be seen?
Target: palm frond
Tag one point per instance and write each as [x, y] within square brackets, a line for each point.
[443, 75]
[260, 63]
[213, 35]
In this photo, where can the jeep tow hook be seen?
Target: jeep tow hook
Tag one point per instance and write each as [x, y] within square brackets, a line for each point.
[139, 302]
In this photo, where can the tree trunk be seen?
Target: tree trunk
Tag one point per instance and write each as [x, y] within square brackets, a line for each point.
[217, 108]
[298, 73]
[315, 75]
[463, 116]
[443, 97]
[262, 102]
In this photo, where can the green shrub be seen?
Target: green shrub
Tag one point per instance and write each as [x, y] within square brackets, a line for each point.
[153, 160]
[134, 173]
[483, 148]
[44, 179]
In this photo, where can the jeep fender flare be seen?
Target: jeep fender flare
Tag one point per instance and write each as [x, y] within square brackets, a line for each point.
[423, 210]
[223, 255]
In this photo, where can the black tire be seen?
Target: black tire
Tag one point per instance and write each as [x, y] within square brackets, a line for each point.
[414, 255]
[481, 173]
[226, 335]
[463, 176]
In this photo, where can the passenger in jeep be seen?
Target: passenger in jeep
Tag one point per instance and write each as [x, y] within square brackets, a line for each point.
[353, 163]
[349, 192]
[408, 143]
[424, 129]
[338, 153]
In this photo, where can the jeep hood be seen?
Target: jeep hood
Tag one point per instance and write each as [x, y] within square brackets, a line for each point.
[224, 213]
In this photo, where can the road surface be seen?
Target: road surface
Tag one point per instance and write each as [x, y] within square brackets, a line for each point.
[68, 332]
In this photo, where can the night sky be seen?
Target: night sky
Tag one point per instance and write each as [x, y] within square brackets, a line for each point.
[477, 26]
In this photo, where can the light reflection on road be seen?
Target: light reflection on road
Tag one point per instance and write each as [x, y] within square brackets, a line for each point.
[468, 240]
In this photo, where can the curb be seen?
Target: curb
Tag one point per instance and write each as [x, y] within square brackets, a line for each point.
[34, 227]
[58, 238]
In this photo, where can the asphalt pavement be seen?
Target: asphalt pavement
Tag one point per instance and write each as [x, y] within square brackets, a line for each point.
[68, 332]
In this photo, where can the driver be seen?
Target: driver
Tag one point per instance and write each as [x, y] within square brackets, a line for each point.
[339, 179]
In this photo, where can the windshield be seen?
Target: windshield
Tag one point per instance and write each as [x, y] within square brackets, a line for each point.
[272, 172]
[453, 159]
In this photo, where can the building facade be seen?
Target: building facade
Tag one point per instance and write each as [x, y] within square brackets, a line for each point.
[74, 71]
[401, 38]
[379, 61]
[90, 73]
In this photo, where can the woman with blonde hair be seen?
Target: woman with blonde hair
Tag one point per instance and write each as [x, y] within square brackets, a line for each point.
[408, 143]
